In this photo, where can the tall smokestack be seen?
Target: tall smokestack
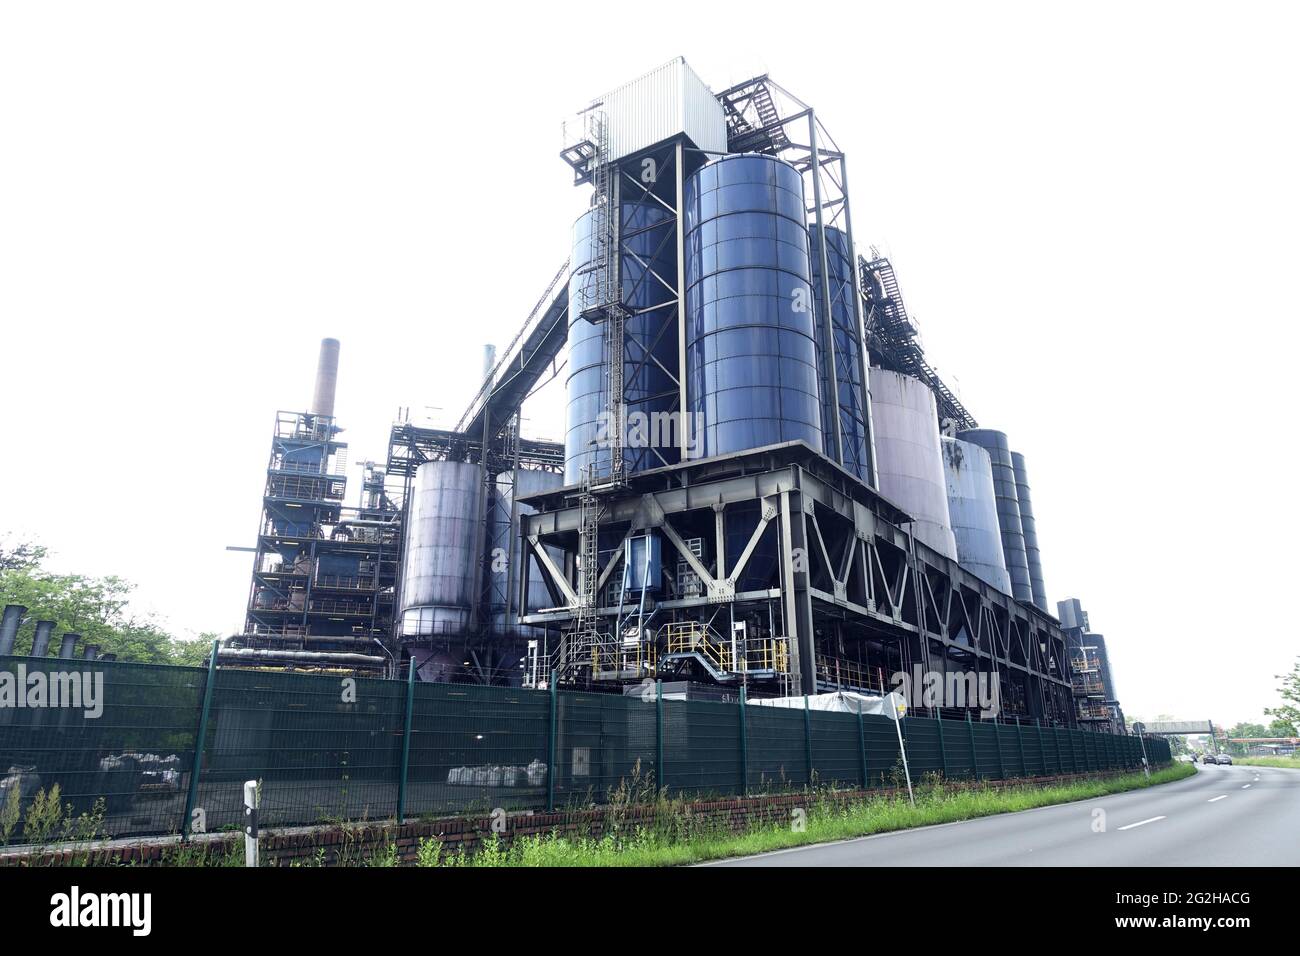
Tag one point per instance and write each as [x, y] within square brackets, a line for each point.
[13, 616]
[489, 359]
[41, 642]
[69, 646]
[90, 652]
[327, 378]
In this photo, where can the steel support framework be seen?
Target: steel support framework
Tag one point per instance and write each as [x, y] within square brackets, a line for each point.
[847, 575]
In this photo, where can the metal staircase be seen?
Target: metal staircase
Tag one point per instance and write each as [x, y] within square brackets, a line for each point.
[891, 335]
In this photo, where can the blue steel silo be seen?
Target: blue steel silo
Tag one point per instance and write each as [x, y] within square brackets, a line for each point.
[1004, 486]
[648, 266]
[751, 358]
[849, 402]
[1030, 529]
[973, 511]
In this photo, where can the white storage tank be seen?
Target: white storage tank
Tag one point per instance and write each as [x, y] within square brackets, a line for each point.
[909, 463]
[437, 577]
[973, 509]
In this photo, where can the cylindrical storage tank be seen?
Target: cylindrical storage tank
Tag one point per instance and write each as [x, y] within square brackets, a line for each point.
[751, 358]
[851, 402]
[1030, 530]
[648, 270]
[505, 536]
[1004, 487]
[973, 510]
[909, 464]
[437, 576]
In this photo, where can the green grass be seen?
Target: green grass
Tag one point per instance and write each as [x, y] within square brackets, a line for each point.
[1291, 763]
[674, 841]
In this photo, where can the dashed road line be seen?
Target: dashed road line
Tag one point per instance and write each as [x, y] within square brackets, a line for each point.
[1141, 823]
[1217, 799]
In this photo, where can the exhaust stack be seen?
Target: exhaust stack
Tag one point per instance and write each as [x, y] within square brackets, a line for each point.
[41, 642]
[327, 378]
[69, 646]
[13, 616]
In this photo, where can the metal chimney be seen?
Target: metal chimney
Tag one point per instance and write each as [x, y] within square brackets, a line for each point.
[90, 653]
[489, 359]
[41, 642]
[69, 646]
[13, 616]
[108, 658]
[327, 378]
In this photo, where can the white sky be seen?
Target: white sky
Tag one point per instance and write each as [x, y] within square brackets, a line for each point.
[1092, 212]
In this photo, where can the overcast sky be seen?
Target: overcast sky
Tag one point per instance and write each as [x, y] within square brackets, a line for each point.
[1092, 214]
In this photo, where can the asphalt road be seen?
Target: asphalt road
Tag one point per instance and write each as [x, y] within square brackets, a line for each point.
[1223, 816]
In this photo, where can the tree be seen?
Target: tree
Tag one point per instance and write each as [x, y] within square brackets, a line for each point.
[96, 608]
[1290, 691]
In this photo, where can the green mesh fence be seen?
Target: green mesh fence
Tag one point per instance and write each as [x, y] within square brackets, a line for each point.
[120, 741]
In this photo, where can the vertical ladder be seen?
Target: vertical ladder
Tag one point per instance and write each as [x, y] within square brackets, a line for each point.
[602, 285]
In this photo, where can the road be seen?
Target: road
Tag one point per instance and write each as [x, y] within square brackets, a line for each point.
[1223, 816]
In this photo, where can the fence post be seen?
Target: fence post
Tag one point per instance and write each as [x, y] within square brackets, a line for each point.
[1042, 751]
[997, 739]
[862, 751]
[974, 757]
[406, 742]
[659, 736]
[744, 746]
[550, 750]
[196, 765]
[1060, 761]
[943, 750]
[1020, 739]
[807, 738]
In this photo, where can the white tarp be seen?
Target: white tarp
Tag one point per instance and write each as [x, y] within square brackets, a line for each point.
[843, 702]
[847, 702]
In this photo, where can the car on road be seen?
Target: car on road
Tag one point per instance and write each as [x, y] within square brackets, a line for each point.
[1223, 759]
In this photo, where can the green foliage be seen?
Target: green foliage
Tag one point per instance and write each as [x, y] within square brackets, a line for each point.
[96, 608]
[1290, 693]
[669, 843]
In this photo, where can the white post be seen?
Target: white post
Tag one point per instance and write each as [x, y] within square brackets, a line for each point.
[250, 823]
[898, 729]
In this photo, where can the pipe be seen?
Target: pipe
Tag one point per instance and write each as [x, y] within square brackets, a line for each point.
[489, 359]
[319, 657]
[90, 652]
[13, 616]
[327, 379]
[41, 642]
[69, 646]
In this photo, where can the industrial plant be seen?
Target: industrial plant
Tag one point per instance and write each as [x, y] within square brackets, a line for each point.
[763, 484]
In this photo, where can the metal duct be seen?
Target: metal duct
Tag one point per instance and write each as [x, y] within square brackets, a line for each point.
[109, 658]
[69, 646]
[13, 616]
[327, 378]
[1030, 529]
[90, 652]
[41, 642]
[489, 359]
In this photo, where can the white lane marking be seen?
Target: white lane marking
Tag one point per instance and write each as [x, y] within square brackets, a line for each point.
[1245, 786]
[1217, 799]
[1141, 823]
